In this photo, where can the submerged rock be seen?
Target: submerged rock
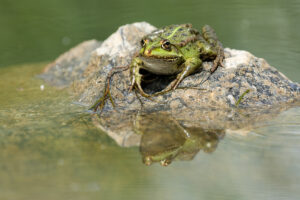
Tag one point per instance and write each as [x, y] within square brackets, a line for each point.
[263, 91]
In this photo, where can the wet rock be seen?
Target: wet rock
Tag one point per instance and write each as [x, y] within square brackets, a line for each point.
[263, 91]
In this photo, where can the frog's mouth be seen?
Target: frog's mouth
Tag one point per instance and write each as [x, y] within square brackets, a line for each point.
[160, 58]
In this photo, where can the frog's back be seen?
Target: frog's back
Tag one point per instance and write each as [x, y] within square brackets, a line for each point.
[176, 34]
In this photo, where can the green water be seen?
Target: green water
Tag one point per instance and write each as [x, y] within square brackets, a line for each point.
[49, 148]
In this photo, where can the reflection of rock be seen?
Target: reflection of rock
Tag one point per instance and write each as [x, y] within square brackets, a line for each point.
[212, 108]
[121, 126]
[164, 139]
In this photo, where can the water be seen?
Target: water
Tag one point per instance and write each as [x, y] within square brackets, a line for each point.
[49, 148]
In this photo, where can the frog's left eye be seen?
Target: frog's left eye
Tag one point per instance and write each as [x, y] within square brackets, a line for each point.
[143, 43]
[166, 45]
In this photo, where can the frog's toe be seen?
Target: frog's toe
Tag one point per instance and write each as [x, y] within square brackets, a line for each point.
[217, 62]
[175, 85]
[141, 91]
[205, 77]
[99, 104]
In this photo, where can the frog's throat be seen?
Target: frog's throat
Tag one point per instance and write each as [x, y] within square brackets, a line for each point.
[163, 66]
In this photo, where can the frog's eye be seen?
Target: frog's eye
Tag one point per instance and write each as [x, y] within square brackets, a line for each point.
[166, 45]
[143, 43]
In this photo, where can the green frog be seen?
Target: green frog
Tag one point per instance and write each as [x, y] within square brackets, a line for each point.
[172, 50]
[175, 49]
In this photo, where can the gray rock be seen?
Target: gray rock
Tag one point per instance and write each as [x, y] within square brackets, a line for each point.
[242, 71]
[265, 90]
[70, 66]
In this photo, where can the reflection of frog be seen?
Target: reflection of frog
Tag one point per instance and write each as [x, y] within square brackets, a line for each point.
[164, 139]
[200, 139]
[175, 49]
[172, 50]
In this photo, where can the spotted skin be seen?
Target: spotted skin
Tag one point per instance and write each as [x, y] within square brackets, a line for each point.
[175, 49]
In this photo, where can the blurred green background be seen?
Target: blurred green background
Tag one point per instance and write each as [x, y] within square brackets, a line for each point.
[40, 30]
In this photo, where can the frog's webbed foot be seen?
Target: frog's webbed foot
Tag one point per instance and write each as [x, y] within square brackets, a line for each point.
[217, 49]
[100, 103]
[218, 60]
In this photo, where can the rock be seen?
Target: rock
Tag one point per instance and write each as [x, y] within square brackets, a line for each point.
[70, 66]
[265, 90]
[125, 41]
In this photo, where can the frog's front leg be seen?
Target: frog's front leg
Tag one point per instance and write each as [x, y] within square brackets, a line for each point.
[106, 93]
[216, 48]
[135, 76]
[189, 67]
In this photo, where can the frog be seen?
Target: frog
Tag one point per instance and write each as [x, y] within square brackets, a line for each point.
[175, 50]
[178, 50]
